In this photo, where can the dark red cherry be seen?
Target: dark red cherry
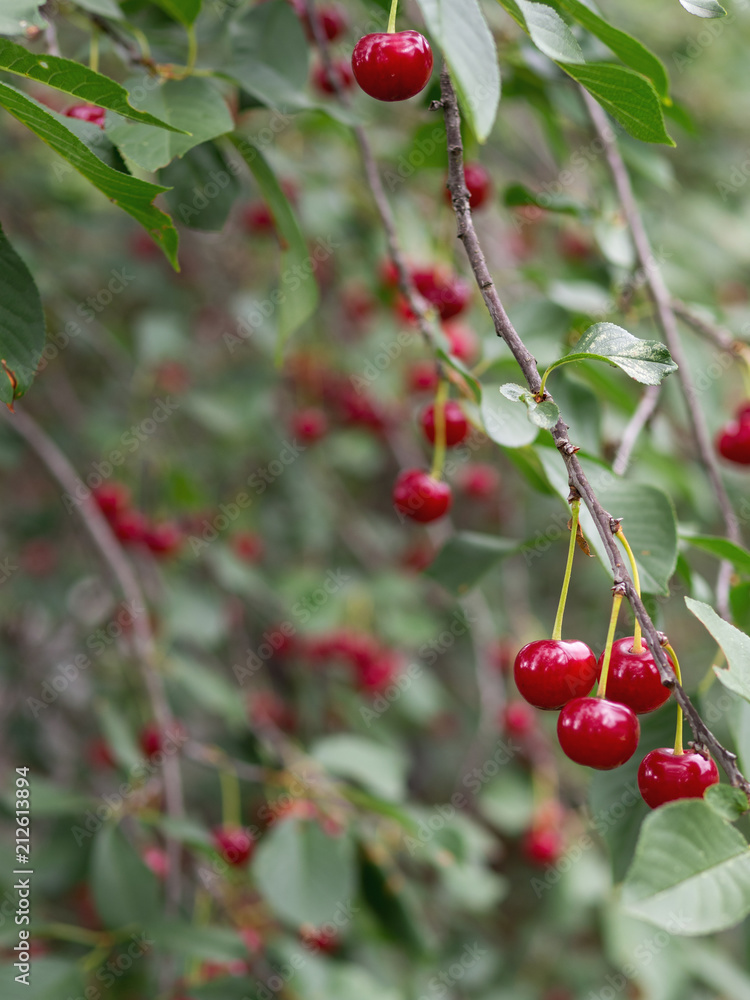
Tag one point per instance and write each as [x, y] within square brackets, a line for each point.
[234, 844]
[164, 539]
[549, 672]
[633, 678]
[247, 546]
[543, 846]
[665, 776]
[479, 481]
[112, 498]
[478, 184]
[309, 425]
[444, 290]
[456, 424]
[418, 495]
[87, 113]
[598, 733]
[342, 73]
[733, 442]
[463, 343]
[517, 719]
[422, 377]
[130, 526]
[392, 67]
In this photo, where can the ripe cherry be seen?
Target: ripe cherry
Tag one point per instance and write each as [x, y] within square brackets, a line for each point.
[633, 678]
[319, 939]
[422, 377]
[517, 719]
[665, 776]
[456, 424]
[463, 343]
[598, 733]
[478, 184]
[479, 481]
[164, 539]
[392, 66]
[420, 496]
[152, 740]
[733, 441]
[334, 21]
[309, 425]
[88, 113]
[129, 526]
[379, 672]
[443, 289]
[550, 672]
[247, 546]
[112, 498]
[543, 846]
[234, 844]
[156, 859]
[342, 73]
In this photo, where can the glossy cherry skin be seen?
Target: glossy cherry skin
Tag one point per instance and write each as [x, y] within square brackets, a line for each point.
[633, 678]
[416, 494]
[392, 67]
[478, 184]
[456, 424]
[234, 844]
[88, 113]
[733, 442]
[309, 425]
[665, 776]
[549, 672]
[598, 733]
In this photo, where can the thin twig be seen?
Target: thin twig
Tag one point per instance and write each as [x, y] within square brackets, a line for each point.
[643, 413]
[605, 524]
[143, 641]
[718, 335]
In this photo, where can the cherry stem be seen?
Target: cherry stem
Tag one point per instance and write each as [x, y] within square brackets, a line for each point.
[557, 630]
[231, 812]
[678, 748]
[192, 49]
[438, 459]
[745, 358]
[392, 17]
[94, 51]
[637, 643]
[602, 689]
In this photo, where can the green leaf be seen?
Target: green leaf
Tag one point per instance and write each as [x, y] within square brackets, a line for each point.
[466, 557]
[730, 803]
[217, 944]
[722, 548]
[72, 78]
[51, 978]
[16, 16]
[646, 361]
[132, 195]
[212, 691]
[379, 768]
[648, 518]
[735, 645]
[125, 891]
[118, 735]
[49, 799]
[303, 873]
[461, 32]
[192, 105]
[22, 329]
[692, 864]
[518, 194]
[544, 414]
[627, 96]
[203, 188]
[184, 11]
[632, 53]
[504, 421]
[703, 8]
[107, 8]
[299, 301]
[550, 33]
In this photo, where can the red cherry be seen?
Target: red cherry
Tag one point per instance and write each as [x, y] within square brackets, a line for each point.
[358, 409]
[444, 290]
[633, 678]
[247, 546]
[342, 71]
[234, 844]
[665, 776]
[598, 733]
[574, 247]
[417, 495]
[517, 719]
[309, 425]
[319, 939]
[422, 377]
[542, 846]
[392, 67]
[733, 442]
[112, 498]
[130, 526]
[334, 21]
[152, 740]
[388, 274]
[88, 113]
[418, 555]
[99, 753]
[257, 218]
[478, 184]
[164, 539]
[156, 859]
[463, 343]
[479, 481]
[378, 673]
[456, 424]
[550, 672]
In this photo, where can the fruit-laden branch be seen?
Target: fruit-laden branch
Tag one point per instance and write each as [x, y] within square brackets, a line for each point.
[143, 640]
[606, 525]
[668, 323]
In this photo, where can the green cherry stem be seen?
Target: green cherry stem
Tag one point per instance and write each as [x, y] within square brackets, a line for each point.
[438, 458]
[94, 51]
[392, 17]
[637, 642]
[602, 689]
[557, 630]
[231, 812]
[678, 748]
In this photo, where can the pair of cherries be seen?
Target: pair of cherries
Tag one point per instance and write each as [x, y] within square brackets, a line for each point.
[603, 733]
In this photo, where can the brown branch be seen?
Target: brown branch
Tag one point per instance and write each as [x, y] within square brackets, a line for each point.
[143, 641]
[579, 484]
[643, 413]
[718, 335]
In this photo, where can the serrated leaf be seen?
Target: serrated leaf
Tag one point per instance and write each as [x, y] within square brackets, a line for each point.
[72, 78]
[703, 8]
[194, 106]
[22, 328]
[550, 33]
[646, 361]
[299, 301]
[722, 548]
[129, 193]
[17, 16]
[461, 32]
[728, 802]
[125, 891]
[184, 11]
[466, 557]
[735, 645]
[691, 872]
[631, 51]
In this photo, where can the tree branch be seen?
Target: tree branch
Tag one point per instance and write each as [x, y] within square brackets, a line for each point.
[643, 413]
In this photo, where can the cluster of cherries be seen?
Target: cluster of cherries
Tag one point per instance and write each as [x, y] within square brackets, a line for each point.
[733, 441]
[374, 665]
[131, 526]
[603, 732]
